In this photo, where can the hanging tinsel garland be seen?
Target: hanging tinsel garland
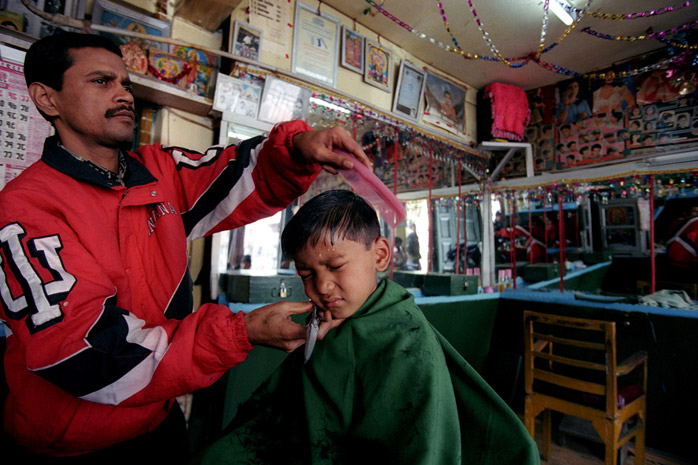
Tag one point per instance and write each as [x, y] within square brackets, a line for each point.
[638, 15]
[386, 130]
[649, 35]
[679, 184]
[533, 56]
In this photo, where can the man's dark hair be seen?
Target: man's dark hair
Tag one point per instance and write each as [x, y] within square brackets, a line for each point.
[331, 216]
[49, 58]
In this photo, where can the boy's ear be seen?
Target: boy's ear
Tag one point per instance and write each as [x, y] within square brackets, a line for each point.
[383, 255]
[42, 96]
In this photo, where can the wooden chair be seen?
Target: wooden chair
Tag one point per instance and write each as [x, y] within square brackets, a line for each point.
[570, 367]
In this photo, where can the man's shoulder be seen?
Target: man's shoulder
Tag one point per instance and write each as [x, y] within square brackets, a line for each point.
[31, 177]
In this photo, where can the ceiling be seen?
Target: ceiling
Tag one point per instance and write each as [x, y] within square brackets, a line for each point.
[514, 28]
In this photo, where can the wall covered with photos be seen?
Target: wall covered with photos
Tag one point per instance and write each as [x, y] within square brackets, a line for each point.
[607, 117]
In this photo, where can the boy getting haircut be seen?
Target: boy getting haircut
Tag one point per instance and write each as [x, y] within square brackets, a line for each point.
[384, 387]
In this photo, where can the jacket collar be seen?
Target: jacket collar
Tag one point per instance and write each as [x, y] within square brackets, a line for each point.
[60, 159]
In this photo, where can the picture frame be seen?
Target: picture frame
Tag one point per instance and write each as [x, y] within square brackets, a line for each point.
[246, 41]
[315, 45]
[113, 15]
[445, 104]
[410, 91]
[237, 96]
[283, 101]
[353, 50]
[378, 70]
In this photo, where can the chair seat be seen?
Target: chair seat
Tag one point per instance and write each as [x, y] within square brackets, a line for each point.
[626, 394]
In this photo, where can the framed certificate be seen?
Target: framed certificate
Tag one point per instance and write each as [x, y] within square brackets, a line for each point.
[410, 91]
[315, 45]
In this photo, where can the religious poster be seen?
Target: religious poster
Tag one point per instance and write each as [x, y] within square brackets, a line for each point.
[273, 18]
[22, 128]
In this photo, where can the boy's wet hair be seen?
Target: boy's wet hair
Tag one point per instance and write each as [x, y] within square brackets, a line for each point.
[331, 216]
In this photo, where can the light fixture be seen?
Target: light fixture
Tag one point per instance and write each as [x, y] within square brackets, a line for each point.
[560, 12]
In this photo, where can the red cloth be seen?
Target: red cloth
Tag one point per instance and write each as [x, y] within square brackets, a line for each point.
[510, 111]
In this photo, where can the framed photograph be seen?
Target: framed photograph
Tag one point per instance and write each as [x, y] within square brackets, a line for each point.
[378, 70]
[410, 91]
[445, 105]
[283, 101]
[246, 41]
[237, 96]
[315, 45]
[352, 50]
[117, 16]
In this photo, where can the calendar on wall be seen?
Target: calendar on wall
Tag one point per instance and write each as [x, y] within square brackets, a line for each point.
[22, 128]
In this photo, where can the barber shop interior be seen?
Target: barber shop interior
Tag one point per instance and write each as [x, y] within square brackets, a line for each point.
[533, 168]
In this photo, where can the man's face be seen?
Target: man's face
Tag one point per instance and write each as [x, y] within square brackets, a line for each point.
[95, 105]
[340, 277]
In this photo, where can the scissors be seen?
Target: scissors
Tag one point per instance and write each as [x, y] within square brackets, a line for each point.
[311, 332]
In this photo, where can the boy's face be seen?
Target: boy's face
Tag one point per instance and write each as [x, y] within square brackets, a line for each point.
[340, 277]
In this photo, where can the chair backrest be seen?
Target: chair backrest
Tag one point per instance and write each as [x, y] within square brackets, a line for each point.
[571, 358]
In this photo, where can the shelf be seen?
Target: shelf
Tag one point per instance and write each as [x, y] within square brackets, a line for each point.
[169, 95]
[144, 87]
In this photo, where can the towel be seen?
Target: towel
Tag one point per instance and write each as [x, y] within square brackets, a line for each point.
[510, 111]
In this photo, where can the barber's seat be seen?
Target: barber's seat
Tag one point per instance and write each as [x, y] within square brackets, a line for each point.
[570, 367]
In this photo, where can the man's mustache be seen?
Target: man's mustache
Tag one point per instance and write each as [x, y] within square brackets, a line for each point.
[113, 111]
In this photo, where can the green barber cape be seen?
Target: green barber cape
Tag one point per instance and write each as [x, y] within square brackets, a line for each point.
[384, 387]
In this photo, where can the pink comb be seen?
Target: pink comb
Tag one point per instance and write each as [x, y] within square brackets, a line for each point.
[371, 188]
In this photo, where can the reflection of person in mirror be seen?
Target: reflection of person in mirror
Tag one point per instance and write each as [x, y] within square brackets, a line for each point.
[399, 254]
[682, 248]
[413, 253]
[298, 109]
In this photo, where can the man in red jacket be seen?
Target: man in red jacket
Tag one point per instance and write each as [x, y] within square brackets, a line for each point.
[94, 283]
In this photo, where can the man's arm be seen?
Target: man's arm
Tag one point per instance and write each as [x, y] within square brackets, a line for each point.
[225, 188]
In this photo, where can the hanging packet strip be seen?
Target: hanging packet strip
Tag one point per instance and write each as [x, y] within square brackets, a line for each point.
[371, 188]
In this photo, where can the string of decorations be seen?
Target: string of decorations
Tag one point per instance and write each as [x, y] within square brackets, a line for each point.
[171, 79]
[544, 28]
[386, 130]
[649, 35]
[637, 186]
[580, 13]
[640, 14]
[486, 35]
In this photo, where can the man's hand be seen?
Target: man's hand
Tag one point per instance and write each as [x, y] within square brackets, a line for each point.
[317, 146]
[272, 326]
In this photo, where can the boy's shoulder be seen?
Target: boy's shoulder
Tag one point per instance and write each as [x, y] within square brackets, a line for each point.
[391, 297]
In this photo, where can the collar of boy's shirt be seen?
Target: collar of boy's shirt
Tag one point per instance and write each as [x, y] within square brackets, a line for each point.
[111, 176]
